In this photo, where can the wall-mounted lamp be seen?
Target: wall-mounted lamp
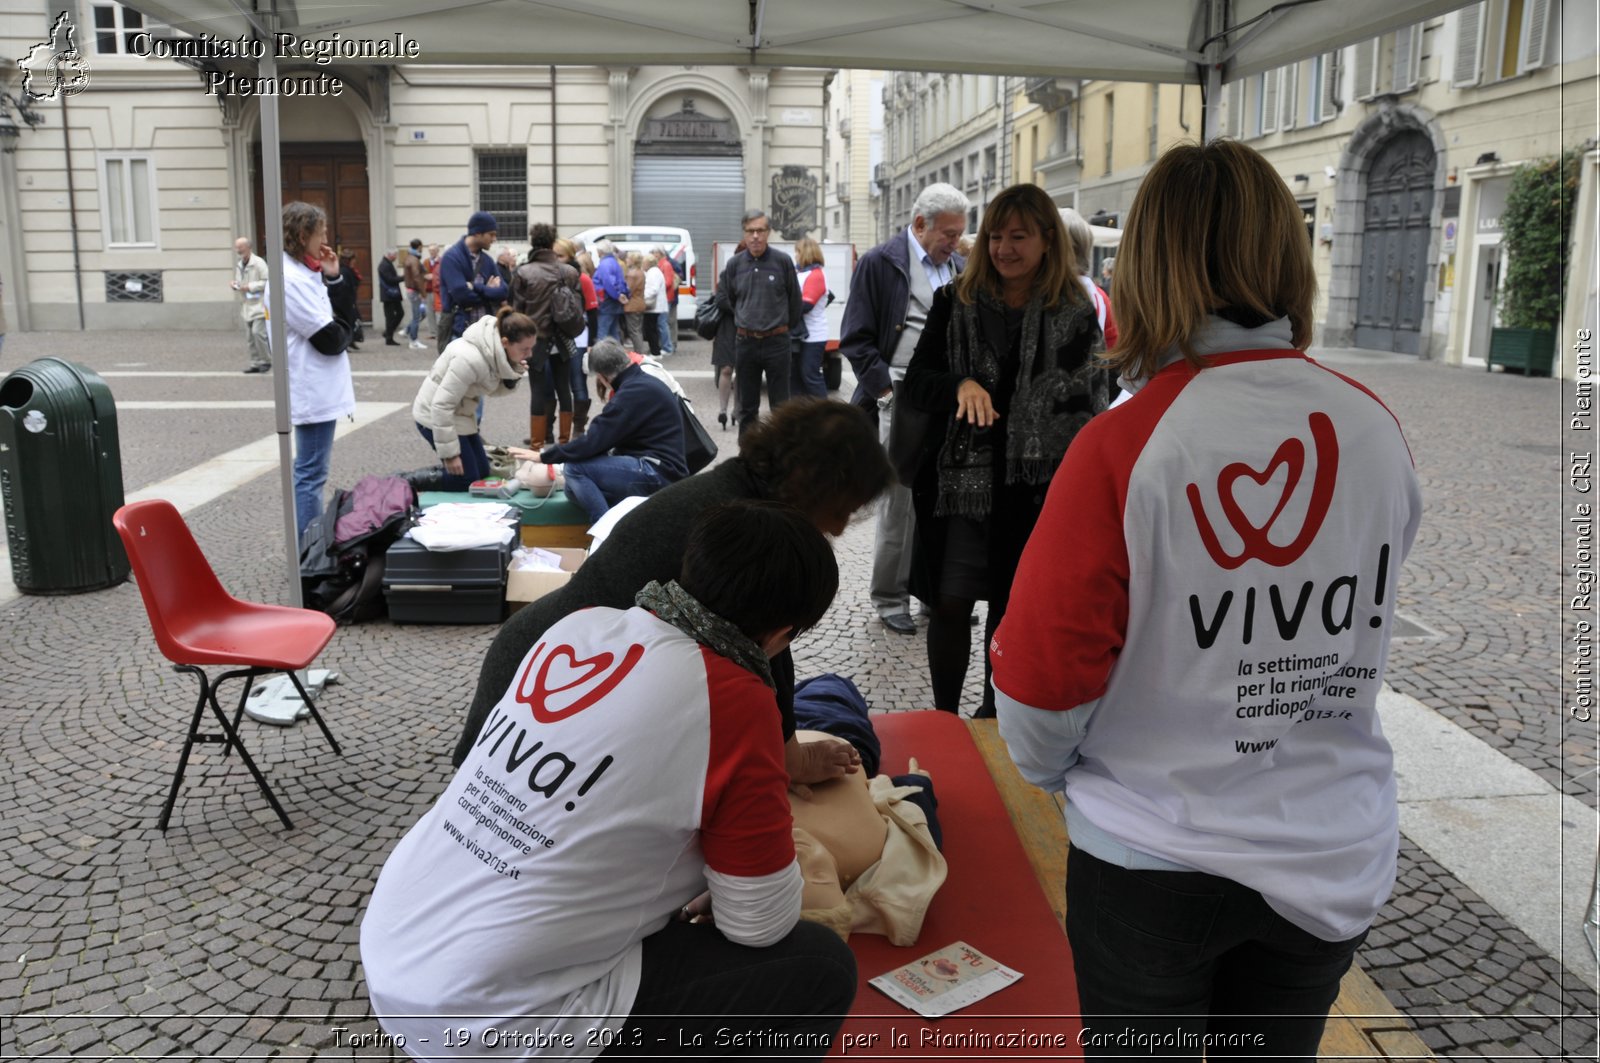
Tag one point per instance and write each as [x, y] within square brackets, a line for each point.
[1486, 158]
[9, 130]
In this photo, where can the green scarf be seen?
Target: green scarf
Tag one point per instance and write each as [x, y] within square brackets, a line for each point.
[1051, 370]
[677, 607]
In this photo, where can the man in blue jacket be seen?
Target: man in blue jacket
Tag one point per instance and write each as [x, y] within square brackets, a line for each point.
[891, 293]
[469, 279]
[635, 446]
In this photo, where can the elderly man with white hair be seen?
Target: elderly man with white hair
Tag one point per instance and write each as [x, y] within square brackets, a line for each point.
[890, 296]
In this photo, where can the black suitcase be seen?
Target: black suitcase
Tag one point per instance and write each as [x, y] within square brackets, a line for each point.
[425, 586]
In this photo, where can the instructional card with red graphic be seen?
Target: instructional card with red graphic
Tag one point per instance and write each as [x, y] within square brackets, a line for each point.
[945, 981]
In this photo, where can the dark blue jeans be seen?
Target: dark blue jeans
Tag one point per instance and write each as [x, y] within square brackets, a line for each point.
[697, 989]
[597, 484]
[1168, 960]
[610, 322]
[805, 375]
[474, 461]
[753, 358]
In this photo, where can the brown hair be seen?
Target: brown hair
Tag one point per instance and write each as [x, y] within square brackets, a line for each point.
[807, 252]
[300, 220]
[1213, 228]
[514, 327]
[1029, 205]
[541, 236]
[821, 456]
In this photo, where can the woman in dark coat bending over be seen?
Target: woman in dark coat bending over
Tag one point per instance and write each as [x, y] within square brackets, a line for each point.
[1005, 369]
[820, 456]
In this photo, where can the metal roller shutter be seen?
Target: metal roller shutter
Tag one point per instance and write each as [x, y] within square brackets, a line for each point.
[704, 194]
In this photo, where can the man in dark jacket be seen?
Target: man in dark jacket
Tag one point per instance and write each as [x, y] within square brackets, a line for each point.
[890, 296]
[635, 446]
[761, 287]
[389, 294]
[469, 279]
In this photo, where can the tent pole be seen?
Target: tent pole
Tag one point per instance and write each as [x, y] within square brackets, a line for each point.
[272, 204]
[1215, 56]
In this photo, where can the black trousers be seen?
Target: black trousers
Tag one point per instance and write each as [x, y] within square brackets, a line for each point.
[752, 359]
[1171, 964]
[701, 995]
[394, 312]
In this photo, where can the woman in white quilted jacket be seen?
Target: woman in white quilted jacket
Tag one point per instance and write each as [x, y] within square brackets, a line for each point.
[489, 358]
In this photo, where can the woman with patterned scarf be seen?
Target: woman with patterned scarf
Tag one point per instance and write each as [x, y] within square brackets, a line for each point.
[1006, 372]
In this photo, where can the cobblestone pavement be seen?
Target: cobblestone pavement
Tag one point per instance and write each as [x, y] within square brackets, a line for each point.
[227, 937]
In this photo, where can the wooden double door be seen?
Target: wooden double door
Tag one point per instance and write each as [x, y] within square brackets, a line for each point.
[332, 176]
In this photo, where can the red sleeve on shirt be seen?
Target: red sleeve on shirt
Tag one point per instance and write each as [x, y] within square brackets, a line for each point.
[745, 826]
[1111, 322]
[590, 300]
[815, 288]
[1068, 614]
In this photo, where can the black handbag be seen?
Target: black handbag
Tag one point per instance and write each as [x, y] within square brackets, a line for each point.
[707, 317]
[699, 449]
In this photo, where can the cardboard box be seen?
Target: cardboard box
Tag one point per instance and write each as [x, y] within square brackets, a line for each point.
[527, 585]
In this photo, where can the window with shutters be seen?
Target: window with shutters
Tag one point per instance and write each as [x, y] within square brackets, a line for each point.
[1405, 58]
[1288, 94]
[1267, 101]
[1332, 85]
[1366, 69]
[1469, 46]
[1315, 72]
[1522, 29]
[1235, 126]
[1389, 64]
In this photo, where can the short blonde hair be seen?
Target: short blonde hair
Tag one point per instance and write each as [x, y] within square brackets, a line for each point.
[565, 248]
[1212, 228]
[1028, 204]
[807, 252]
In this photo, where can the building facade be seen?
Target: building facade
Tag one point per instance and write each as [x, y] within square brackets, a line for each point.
[1400, 150]
[954, 128]
[120, 208]
[852, 200]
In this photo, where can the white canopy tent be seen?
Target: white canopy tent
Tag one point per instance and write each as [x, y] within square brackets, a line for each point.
[1175, 41]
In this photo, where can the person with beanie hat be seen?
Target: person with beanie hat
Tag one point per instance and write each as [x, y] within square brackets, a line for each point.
[469, 281]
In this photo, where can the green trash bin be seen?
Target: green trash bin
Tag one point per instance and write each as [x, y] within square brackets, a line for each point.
[60, 478]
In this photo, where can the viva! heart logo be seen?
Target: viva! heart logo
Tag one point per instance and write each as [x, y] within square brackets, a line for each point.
[1256, 541]
[576, 674]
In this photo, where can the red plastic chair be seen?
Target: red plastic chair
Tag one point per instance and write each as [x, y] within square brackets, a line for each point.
[197, 623]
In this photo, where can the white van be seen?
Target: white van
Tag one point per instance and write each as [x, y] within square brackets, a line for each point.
[678, 244]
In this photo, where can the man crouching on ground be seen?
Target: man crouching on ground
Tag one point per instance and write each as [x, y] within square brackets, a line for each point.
[612, 869]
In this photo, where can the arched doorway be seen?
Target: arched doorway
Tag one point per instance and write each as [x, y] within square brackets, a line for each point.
[688, 171]
[1394, 250]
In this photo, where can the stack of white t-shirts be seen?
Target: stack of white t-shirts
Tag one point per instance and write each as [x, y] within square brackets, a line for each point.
[533, 559]
[465, 525]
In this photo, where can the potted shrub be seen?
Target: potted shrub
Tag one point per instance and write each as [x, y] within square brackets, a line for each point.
[1536, 223]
